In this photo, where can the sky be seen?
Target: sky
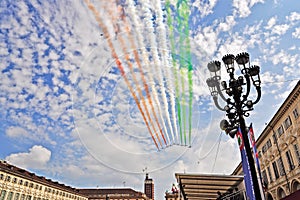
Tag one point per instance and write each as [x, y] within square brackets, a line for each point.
[97, 93]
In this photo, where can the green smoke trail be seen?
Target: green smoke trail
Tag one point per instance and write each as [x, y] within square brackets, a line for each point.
[182, 63]
[172, 42]
[185, 52]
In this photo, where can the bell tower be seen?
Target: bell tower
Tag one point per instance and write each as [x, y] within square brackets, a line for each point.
[149, 187]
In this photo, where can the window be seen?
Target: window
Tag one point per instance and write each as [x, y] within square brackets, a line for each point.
[264, 177]
[9, 196]
[270, 175]
[295, 112]
[3, 194]
[1, 176]
[290, 160]
[8, 179]
[280, 130]
[36, 186]
[269, 143]
[26, 183]
[17, 195]
[296, 150]
[31, 185]
[15, 180]
[287, 122]
[266, 146]
[23, 197]
[275, 138]
[281, 167]
[264, 149]
[21, 182]
[275, 170]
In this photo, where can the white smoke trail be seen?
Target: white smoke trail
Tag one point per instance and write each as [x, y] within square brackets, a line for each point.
[157, 63]
[115, 11]
[136, 23]
[166, 61]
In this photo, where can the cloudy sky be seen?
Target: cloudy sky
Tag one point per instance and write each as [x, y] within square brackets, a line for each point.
[96, 93]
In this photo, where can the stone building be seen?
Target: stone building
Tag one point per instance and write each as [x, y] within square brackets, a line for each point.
[279, 149]
[20, 184]
[113, 194]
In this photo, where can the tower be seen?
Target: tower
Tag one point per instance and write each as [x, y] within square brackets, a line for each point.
[149, 187]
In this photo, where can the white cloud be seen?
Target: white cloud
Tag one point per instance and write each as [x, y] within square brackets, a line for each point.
[296, 33]
[205, 7]
[280, 29]
[36, 158]
[228, 24]
[243, 8]
[294, 16]
[271, 22]
[283, 57]
[16, 132]
[208, 39]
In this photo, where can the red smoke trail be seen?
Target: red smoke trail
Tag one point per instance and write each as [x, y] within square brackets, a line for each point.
[137, 59]
[119, 64]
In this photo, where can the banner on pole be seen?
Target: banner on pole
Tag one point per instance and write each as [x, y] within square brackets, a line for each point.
[246, 167]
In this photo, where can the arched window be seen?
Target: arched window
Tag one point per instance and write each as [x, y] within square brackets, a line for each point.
[281, 193]
[269, 196]
[295, 186]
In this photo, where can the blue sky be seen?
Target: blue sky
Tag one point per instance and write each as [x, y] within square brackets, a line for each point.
[67, 113]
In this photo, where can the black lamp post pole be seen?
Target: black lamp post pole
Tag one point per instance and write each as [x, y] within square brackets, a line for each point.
[238, 105]
[241, 120]
[250, 159]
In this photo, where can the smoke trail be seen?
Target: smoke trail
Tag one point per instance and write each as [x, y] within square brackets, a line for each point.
[183, 25]
[173, 52]
[134, 77]
[185, 14]
[166, 61]
[146, 57]
[182, 63]
[149, 22]
[119, 64]
[137, 59]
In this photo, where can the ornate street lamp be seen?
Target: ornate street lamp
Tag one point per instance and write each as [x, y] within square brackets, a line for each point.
[237, 104]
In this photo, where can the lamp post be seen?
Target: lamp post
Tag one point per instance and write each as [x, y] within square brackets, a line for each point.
[237, 104]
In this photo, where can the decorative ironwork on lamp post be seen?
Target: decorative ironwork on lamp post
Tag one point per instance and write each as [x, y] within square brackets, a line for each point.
[237, 104]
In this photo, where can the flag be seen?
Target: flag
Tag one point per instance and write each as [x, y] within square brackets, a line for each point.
[255, 153]
[246, 168]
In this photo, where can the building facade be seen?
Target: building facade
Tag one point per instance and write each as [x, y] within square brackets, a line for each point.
[19, 184]
[149, 187]
[279, 149]
[113, 194]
